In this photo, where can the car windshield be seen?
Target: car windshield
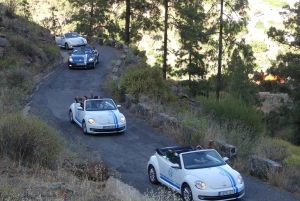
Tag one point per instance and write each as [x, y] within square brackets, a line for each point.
[202, 159]
[82, 50]
[100, 105]
[72, 35]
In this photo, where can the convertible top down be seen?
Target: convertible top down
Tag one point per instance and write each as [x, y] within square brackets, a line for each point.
[195, 174]
[96, 116]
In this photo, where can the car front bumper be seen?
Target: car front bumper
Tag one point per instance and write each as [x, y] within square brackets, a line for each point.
[96, 129]
[199, 195]
[81, 65]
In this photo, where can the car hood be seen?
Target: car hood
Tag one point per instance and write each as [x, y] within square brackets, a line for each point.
[216, 177]
[81, 57]
[106, 117]
[77, 40]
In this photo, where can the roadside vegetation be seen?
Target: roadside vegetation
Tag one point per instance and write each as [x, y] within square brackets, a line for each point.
[37, 154]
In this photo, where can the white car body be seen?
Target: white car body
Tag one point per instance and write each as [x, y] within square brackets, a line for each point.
[215, 179]
[95, 119]
[70, 40]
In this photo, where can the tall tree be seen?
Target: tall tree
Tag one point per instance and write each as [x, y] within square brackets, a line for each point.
[232, 21]
[91, 16]
[190, 21]
[287, 63]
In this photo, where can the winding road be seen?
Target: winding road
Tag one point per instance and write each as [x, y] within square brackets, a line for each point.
[127, 153]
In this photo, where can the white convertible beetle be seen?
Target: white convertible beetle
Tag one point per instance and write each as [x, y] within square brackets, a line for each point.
[70, 40]
[196, 175]
[96, 116]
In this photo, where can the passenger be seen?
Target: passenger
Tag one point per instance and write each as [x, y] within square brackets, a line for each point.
[200, 158]
[88, 105]
[82, 100]
[103, 105]
[199, 147]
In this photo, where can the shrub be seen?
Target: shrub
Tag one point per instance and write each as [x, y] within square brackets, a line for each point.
[29, 140]
[234, 112]
[51, 51]
[145, 80]
[259, 46]
[20, 78]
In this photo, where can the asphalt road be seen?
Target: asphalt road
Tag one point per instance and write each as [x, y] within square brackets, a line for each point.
[128, 153]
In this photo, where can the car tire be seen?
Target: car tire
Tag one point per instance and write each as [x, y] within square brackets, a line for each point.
[186, 193]
[66, 46]
[152, 175]
[71, 116]
[84, 129]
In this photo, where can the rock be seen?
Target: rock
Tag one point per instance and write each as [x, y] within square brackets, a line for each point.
[3, 42]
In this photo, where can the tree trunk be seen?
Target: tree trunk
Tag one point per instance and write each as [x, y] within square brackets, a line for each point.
[127, 22]
[220, 53]
[165, 40]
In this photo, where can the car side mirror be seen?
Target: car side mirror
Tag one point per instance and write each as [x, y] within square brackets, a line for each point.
[118, 106]
[175, 166]
[225, 159]
[79, 108]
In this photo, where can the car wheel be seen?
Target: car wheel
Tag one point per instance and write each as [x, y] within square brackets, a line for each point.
[84, 129]
[152, 175]
[66, 46]
[186, 193]
[71, 116]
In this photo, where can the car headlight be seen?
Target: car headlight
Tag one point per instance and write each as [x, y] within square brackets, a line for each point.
[91, 121]
[91, 59]
[70, 60]
[200, 184]
[240, 179]
[122, 119]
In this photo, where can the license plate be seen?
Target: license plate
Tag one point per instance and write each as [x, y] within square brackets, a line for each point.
[80, 64]
[109, 127]
[226, 192]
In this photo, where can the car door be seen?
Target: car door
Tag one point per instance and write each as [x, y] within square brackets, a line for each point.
[79, 113]
[167, 173]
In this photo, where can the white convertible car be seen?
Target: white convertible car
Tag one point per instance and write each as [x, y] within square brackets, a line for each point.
[70, 40]
[96, 116]
[196, 175]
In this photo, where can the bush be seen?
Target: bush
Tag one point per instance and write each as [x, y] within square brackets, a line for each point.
[29, 140]
[234, 112]
[20, 78]
[259, 46]
[146, 80]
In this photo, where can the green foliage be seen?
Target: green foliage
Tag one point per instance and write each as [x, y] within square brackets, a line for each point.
[51, 51]
[114, 89]
[260, 25]
[293, 160]
[19, 78]
[25, 44]
[4, 64]
[142, 79]
[259, 46]
[276, 3]
[230, 109]
[29, 140]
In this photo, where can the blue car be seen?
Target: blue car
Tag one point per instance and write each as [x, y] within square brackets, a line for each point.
[83, 57]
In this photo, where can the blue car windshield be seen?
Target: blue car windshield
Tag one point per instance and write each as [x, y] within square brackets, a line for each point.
[202, 159]
[82, 50]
